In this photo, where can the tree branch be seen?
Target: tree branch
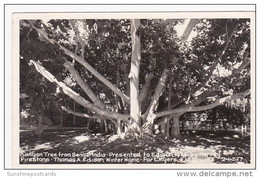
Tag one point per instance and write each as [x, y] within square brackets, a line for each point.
[197, 88]
[210, 70]
[80, 60]
[228, 41]
[220, 101]
[206, 107]
[86, 88]
[167, 21]
[85, 115]
[75, 96]
[189, 28]
[244, 64]
[80, 114]
[78, 37]
[149, 114]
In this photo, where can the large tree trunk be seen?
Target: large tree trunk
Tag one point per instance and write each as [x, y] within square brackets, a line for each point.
[134, 78]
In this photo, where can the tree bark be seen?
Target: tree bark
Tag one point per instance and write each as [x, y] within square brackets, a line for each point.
[145, 88]
[175, 132]
[150, 115]
[86, 88]
[167, 127]
[134, 77]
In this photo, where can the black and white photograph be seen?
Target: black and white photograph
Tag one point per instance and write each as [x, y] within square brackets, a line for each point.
[140, 90]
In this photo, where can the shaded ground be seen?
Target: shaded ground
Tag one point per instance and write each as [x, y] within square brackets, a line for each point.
[79, 147]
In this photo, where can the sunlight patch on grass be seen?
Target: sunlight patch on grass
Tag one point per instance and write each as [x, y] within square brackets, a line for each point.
[63, 135]
[43, 146]
[215, 147]
[159, 150]
[115, 137]
[81, 138]
[209, 140]
[236, 136]
[175, 140]
[227, 138]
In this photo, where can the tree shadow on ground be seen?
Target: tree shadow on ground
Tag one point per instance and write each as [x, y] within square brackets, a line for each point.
[202, 147]
[222, 146]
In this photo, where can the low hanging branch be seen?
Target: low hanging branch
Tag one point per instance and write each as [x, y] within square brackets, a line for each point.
[221, 101]
[84, 115]
[80, 114]
[75, 96]
[203, 96]
[206, 107]
[214, 87]
[80, 60]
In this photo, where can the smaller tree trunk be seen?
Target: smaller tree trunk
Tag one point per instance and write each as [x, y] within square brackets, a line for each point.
[164, 127]
[103, 126]
[175, 132]
[149, 115]
[167, 128]
[74, 117]
[119, 127]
